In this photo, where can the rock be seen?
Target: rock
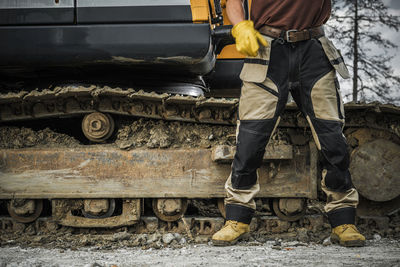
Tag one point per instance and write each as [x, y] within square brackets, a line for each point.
[151, 224]
[125, 144]
[167, 238]
[38, 239]
[327, 241]
[95, 264]
[278, 242]
[121, 236]
[201, 239]
[175, 244]
[253, 243]
[153, 238]
[141, 239]
[377, 237]
[302, 235]
[84, 241]
[300, 244]
[177, 237]
[261, 239]
[182, 241]
[156, 245]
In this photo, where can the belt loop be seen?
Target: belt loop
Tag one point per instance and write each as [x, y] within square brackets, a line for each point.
[309, 33]
[281, 39]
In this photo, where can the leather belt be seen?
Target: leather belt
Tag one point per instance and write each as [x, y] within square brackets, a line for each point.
[292, 36]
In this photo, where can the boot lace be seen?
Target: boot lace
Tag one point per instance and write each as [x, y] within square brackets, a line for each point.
[348, 226]
[231, 223]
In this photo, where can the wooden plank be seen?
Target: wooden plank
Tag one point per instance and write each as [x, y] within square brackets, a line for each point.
[106, 172]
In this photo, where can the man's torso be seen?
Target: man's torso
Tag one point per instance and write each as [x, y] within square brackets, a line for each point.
[290, 14]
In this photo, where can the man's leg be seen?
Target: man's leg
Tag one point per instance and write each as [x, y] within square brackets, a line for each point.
[319, 99]
[252, 137]
[259, 109]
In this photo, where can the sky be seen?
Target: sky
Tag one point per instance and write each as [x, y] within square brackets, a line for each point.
[394, 9]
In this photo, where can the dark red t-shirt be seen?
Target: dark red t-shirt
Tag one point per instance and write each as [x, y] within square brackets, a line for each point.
[290, 14]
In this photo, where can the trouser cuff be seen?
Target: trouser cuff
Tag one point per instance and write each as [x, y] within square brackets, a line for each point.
[239, 213]
[342, 216]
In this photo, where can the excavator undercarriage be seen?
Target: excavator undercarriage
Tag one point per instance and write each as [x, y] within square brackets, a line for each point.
[106, 180]
[123, 113]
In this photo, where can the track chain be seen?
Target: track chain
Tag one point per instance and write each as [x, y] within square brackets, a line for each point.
[76, 100]
[64, 101]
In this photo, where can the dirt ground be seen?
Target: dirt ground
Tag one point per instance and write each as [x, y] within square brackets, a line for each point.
[378, 252]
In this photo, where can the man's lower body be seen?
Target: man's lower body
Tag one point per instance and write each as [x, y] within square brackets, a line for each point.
[303, 69]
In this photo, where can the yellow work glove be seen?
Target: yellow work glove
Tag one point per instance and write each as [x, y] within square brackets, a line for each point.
[247, 38]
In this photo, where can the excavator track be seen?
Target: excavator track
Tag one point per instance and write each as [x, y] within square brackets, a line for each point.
[67, 101]
[82, 183]
[77, 100]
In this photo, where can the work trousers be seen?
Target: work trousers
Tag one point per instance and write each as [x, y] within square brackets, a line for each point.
[308, 70]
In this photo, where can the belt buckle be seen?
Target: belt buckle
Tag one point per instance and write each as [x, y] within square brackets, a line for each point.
[288, 35]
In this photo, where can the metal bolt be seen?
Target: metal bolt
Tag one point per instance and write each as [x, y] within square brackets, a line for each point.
[96, 125]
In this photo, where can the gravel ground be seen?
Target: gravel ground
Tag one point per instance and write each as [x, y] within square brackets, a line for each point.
[382, 252]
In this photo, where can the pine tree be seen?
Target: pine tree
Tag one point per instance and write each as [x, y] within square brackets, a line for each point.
[355, 24]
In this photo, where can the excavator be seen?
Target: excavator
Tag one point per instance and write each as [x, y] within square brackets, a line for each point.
[162, 62]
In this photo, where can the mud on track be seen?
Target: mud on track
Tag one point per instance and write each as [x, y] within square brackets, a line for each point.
[21, 137]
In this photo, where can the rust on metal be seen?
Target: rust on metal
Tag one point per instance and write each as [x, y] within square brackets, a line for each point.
[106, 172]
[96, 206]
[62, 213]
[375, 170]
[25, 210]
[169, 209]
[289, 209]
[97, 126]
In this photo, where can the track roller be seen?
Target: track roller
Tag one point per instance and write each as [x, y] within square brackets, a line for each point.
[25, 210]
[98, 208]
[169, 209]
[98, 127]
[289, 209]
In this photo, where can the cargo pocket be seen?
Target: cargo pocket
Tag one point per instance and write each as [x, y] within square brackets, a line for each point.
[255, 68]
[334, 57]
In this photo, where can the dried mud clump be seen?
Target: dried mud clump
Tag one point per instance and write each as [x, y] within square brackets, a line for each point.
[16, 137]
[160, 134]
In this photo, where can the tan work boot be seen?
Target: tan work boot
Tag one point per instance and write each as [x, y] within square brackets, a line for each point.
[232, 232]
[347, 235]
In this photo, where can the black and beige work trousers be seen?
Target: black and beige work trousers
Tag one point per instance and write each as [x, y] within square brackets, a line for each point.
[308, 70]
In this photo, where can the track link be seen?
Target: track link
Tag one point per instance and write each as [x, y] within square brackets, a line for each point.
[64, 101]
[77, 100]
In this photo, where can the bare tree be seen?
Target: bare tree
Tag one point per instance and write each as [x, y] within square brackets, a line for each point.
[356, 24]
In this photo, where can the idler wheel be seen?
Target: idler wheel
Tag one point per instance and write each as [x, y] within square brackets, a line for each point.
[169, 209]
[98, 208]
[289, 209]
[25, 210]
[375, 170]
[97, 127]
